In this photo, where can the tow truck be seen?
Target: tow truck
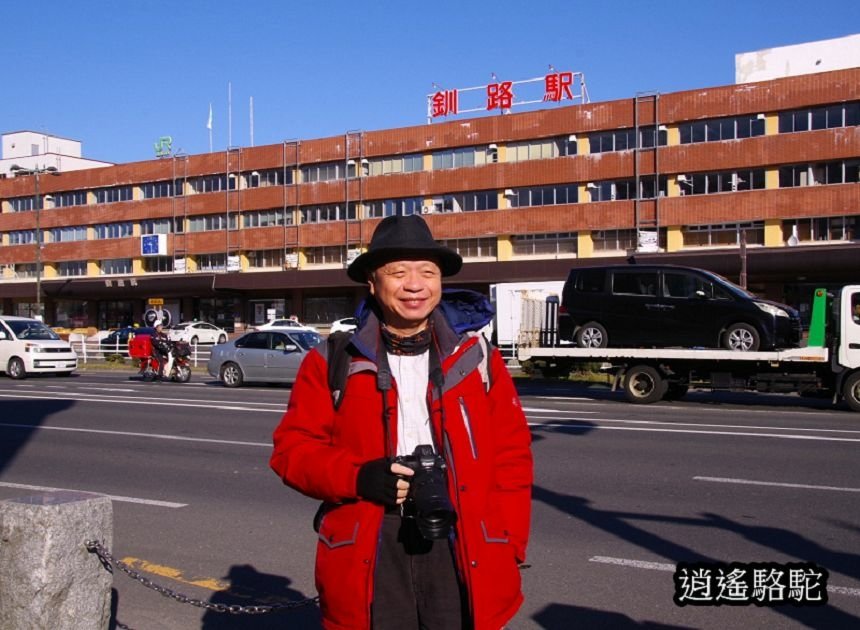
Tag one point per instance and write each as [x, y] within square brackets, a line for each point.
[827, 366]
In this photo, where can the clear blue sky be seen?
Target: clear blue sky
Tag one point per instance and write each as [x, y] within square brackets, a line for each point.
[117, 75]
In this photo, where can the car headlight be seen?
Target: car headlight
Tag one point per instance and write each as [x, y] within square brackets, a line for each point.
[772, 310]
[32, 347]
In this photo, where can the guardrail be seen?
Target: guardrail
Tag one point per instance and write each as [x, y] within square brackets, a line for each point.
[99, 350]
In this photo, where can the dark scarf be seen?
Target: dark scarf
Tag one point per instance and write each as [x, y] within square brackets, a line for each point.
[411, 345]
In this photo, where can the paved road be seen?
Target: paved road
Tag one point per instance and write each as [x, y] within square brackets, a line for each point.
[622, 493]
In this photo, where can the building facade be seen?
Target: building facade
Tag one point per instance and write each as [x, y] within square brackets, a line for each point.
[756, 181]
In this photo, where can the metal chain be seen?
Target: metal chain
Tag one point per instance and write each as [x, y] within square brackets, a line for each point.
[108, 560]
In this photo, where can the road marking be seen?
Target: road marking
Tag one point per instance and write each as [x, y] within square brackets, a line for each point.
[167, 504]
[586, 423]
[699, 408]
[175, 574]
[663, 566]
[751, 482]
[280, 405]
[701, 424]
[157, 436]
[539, 410]
[147, 401]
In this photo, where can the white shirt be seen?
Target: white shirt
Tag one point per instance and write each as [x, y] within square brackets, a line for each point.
[411, 373]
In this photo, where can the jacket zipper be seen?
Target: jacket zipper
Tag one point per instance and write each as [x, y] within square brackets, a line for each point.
[467, 422]
[467, 577]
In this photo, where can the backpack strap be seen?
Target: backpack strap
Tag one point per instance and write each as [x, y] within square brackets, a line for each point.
[338, 358]
[484, 364]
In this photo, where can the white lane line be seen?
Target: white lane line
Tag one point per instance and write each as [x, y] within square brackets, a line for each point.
[142, 401]
[540, 410]
[752, 482]
[281, 405]
[637, 564]
[157, 436]
[695, 424]
[663, 566]
[778, 436]
[112, 497]
[687, 407]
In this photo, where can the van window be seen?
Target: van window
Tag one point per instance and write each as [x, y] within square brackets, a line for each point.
[591, 281]
[685, 285]
[634, 282]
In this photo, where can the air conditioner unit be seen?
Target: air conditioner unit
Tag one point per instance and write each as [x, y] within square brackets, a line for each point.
[426, 209]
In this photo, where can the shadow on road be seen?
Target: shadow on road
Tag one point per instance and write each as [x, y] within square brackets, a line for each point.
[565, 616]
[20, 421]
[250, 587]
[783, 541]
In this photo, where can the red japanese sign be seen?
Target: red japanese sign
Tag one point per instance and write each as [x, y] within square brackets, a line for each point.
[557, 86]
[500, 95]
[444, 102]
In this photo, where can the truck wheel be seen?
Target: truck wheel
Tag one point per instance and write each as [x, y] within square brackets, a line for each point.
[592, 335]
[16, 369]
[741, 337]
[644, 384]
[231, 375]
[851, 391]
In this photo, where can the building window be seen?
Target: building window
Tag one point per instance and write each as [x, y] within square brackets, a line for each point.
[70, 198]
[396, 164]
[161, 226]
[114, 195]
[327, 212]
[457, 158]
[115, 265]
[326, 255]
[25, 270]
[614, 240]
[824, 117]
[68, 234]
[391, 207]
[626, 189]
[322, 172]
[113, 230]
[264, 258]
[22, 237]
[710, 183]
[821, 229]
[214, 183]
[625, 139]
[157, 264]
[467, 202]
[543, 196]
[724, 234]
[717, 129]
[155, 190]
[270, 177]
[211, 262]
[267, 218]
[556, 244]
[542, 149]
[837, 172]
[474, 247]
[211, 222]
[21, 204]
[72, 268]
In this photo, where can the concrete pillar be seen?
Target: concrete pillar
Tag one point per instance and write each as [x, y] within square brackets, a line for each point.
[674, 238]
[504, 247]
[48, 579]
[584, 244]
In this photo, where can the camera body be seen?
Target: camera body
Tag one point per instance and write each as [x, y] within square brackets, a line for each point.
[427, 501]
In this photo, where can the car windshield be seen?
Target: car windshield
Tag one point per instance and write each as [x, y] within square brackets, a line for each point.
[306, 340]
[730, 286]
[31, 330]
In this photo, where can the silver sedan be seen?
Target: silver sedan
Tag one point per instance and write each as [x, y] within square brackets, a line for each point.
[266, 356]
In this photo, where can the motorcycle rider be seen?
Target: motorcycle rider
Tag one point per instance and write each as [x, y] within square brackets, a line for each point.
[161, 349]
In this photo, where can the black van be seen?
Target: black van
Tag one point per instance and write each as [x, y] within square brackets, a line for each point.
[668, 306]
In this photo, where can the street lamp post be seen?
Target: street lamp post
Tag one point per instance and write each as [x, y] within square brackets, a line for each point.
[37, 207]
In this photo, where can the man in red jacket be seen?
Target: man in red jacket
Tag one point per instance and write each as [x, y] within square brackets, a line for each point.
[424, 464]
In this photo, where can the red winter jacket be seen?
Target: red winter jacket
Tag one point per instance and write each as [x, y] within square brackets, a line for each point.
[318, 451]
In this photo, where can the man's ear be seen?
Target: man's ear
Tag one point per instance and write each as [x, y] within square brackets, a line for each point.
[370, 286]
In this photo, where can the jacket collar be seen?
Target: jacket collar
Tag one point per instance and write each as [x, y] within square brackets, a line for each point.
[366, 340]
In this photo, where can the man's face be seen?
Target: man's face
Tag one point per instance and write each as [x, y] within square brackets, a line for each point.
[407, 291]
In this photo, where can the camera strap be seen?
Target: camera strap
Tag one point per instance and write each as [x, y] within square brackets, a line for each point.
[383, 384]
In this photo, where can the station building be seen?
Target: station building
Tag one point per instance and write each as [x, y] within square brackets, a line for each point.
[757, 181]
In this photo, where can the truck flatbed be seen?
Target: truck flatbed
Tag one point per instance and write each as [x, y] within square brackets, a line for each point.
[793, 355]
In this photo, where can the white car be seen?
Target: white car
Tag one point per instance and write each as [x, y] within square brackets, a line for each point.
[197, 332]
[347, 324]
[282, 323]
[27, 346]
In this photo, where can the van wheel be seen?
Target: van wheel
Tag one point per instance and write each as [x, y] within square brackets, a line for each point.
[851, 391]
[592, 335]
[16, 369]
[231, 375]
[741, 337]
[644, 384]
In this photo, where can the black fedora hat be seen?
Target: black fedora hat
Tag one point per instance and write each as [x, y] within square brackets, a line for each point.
[403, 238]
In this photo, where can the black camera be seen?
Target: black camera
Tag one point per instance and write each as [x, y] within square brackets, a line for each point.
[427, 501]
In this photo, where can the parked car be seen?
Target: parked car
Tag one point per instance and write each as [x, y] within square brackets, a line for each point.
[27, 346]
[197, 332]
[347, 324]
[284, 323]
[116, 342]
[667, 306]
[263, 356]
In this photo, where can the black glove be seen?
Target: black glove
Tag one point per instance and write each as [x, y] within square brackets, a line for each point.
[376, 482]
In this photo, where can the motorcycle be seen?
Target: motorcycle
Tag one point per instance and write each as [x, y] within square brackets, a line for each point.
[177, 366]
